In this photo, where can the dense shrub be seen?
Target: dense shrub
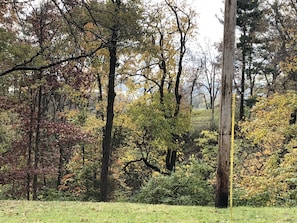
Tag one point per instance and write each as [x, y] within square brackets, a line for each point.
[189, 185]
[264, 198]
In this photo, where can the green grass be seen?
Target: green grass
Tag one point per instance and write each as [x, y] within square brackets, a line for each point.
[201, 118]
[74, 212]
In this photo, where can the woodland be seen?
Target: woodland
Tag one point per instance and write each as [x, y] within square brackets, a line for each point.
[116, 100]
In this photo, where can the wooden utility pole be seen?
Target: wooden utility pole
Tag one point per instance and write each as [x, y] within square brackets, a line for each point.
[222, 187]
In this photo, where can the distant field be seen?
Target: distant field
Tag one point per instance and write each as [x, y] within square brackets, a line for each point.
[201, 118]
[74, 212]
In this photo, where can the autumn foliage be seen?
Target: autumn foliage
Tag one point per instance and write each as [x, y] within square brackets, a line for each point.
[104, 100]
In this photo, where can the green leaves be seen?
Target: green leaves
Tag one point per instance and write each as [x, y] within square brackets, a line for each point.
[189, 185]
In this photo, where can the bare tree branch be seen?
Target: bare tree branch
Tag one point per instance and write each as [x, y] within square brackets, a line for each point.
[23, 66]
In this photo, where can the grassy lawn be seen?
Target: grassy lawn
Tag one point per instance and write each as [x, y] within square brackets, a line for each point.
[63, 212]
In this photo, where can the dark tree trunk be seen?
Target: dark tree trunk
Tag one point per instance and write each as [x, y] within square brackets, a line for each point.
[182, 30]
[242, 84]
[83, 155]
[107, 137]
[162, 65]
[100, 113]
[293, 117]
[249, 73]
[37, 143]
[60, 167]
[170, 159]
[29, 158]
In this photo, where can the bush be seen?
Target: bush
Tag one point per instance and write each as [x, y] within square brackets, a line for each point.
[264, 198]
[189, 185]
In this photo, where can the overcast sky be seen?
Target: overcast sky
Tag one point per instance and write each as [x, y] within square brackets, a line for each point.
[208, 24]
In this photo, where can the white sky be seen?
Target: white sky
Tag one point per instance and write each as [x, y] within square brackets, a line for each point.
[208, 24]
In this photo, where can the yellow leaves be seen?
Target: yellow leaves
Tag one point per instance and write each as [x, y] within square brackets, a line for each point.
[268, 168]
[90, 34]
[290, 159]
[92, 123]
[269, 125]
[124, 121]
[71, 114]
[4, 119]
[87, 121]
[289, 65]
[7, 132]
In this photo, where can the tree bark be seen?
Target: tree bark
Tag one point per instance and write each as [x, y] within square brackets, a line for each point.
[29, 158]
[222, 187]
[242, 82]
[107, 137]
[60, 167]
[37, 141]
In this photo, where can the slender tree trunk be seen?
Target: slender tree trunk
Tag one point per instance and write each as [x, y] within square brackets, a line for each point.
[100, 113]
[205, 100]
[163, 67]
[83, 155]
[107, 137]
[213, 97]
[211, 104]
[192, 93]
[249, 74]
[60, 167]
[222, 187]
[29, 158]
[242, 84]
[37, 143]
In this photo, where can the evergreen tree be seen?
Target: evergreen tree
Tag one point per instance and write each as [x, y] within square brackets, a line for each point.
[248, 22]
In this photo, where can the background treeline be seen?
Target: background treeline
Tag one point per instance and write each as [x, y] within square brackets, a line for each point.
[116, 100]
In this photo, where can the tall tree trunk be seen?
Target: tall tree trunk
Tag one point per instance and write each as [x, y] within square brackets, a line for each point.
[107, 137]
[222, 186]
[29, 158]
[37, 142]
[182, 29]
[162, 66]
[242, 83]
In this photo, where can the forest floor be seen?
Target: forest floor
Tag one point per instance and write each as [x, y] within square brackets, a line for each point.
[75, 212]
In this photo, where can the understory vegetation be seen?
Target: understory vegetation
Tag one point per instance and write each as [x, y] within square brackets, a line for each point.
[117, 101]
